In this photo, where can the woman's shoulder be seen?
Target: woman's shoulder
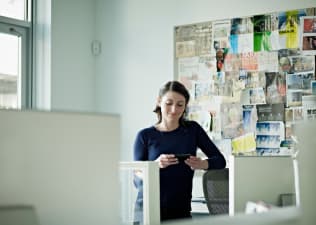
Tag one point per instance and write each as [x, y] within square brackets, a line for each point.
[191, 123]
[147, 130]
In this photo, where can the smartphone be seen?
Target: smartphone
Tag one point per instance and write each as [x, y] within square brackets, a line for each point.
[182, 157]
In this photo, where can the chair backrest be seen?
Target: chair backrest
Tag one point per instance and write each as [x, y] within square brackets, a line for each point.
[216, 191]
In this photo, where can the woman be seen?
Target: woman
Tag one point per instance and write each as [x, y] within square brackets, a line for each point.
[170, 136]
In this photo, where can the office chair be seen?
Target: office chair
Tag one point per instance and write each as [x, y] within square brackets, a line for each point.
[215, 188]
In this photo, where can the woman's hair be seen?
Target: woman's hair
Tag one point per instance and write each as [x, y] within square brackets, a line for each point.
[174, 86]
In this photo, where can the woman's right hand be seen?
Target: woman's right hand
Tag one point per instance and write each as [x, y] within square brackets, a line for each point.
[165, 160]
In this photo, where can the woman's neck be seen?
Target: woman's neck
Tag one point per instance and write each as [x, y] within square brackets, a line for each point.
[164, 126]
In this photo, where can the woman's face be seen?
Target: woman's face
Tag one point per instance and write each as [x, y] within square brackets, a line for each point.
[172, 106]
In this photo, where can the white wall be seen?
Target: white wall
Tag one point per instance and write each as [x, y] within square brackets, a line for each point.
[73, 65]
[137, 52]
[111, 18]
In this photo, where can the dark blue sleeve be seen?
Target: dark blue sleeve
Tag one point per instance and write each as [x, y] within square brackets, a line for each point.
[215, 159]
[140, 147]
[140, 154]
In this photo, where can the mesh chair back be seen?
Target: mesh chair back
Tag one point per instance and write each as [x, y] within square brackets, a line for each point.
[215, 188]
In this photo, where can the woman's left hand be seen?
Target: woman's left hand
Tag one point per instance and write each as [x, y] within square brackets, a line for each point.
[197, 163]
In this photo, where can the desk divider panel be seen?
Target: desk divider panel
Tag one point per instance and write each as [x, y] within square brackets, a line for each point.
[259, 178]
[148, 171]
[65, 165]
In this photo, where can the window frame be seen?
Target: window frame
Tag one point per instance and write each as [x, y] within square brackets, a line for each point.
[23, 29]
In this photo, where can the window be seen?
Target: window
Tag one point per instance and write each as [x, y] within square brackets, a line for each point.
[15, 54]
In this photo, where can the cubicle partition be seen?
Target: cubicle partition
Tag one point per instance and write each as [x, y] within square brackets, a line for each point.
[147, 174]
[260, 178]
[64, 165]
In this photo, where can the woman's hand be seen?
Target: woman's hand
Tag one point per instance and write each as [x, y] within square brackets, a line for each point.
[196, 163]
[165, 160]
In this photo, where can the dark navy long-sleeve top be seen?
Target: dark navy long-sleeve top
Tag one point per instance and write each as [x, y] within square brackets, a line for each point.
[176, 180]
